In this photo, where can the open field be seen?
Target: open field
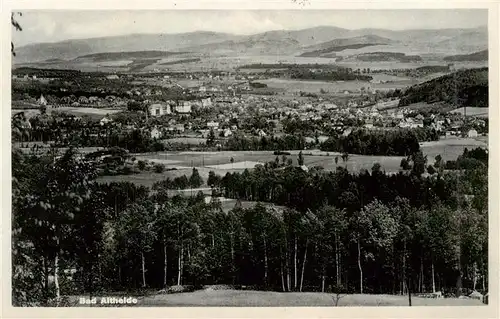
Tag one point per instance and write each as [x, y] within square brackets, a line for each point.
[450, 148]
[221, 161]
[187, 140]
[237, 165]
[87, 110]
[473, 111]
[78, 111]
[229, 63]
[148, 178]
[423, 106]
[338, 86]
[235, 298]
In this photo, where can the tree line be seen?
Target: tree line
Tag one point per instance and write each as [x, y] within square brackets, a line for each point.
[462, 88]
[365, 233]
[379, 142]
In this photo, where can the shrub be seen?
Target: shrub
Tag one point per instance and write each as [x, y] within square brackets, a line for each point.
[141, 165]
[179, 289]
[159, 168]
[126, 170]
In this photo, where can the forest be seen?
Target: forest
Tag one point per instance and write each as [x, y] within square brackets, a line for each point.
[476, 56]
[286, 142]
[462, 88]
[365, 232]
[387, 56]
[400, 142]
[46, 73]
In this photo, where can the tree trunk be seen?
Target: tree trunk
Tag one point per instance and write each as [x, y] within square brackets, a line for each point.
[360, 268]
[393, 272]
[265, 262]
[287, 268]
[46, 278]
[404, 269]
[303, 266]
[422, 288]
[165, 264]
[409, 292]
[433, 278]
[295, 265]
[179, 274]
[233, 267]
[323, 279]
[459, 276]
[337, 265]
[474, 276]
[484, 283]
[143, 263]
[56, 271]
[282, 276]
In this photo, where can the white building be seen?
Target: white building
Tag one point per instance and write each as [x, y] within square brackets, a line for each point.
[105, 120]
[213, 125]
[42, 100]
[180, 128]
[184, 107]
[227, 132]
[472, 133]
[159, 109]
[155, 133]
[112, 77]
[206, 102]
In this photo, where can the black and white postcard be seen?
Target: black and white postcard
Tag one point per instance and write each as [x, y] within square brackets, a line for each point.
[322, 158]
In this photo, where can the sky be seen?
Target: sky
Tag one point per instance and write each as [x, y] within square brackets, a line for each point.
[53, 26]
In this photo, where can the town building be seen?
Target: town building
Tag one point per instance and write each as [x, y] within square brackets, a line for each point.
[159, 109]
[213, 125]
[472, 133]
[183, 107]
[112, 77]
[155, 133]
[42, 100]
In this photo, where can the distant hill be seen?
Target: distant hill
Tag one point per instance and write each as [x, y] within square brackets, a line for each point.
[71, 49]
[477, 56]
[250, 46]
[113, 56]
[279, 42]
[387, 56]
[338, 45]
[461, 88]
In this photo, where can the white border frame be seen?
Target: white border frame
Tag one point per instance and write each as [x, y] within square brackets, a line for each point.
[490, 311]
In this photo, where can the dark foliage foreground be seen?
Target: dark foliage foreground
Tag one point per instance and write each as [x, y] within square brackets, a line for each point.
[367, 233]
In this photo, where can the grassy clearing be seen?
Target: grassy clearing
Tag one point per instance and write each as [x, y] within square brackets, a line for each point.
[237, 165]
[235, 298]
[187, 140]
[450, 148]
[87, 110]
[473, 111]
[339, 86]
[220, 162]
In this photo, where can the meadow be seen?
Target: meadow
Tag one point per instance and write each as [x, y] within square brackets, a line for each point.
[238, 298]
[451, 147]
[338, 86]
[96, 113]
[187, 140]
[182, 163]
[473, 111]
